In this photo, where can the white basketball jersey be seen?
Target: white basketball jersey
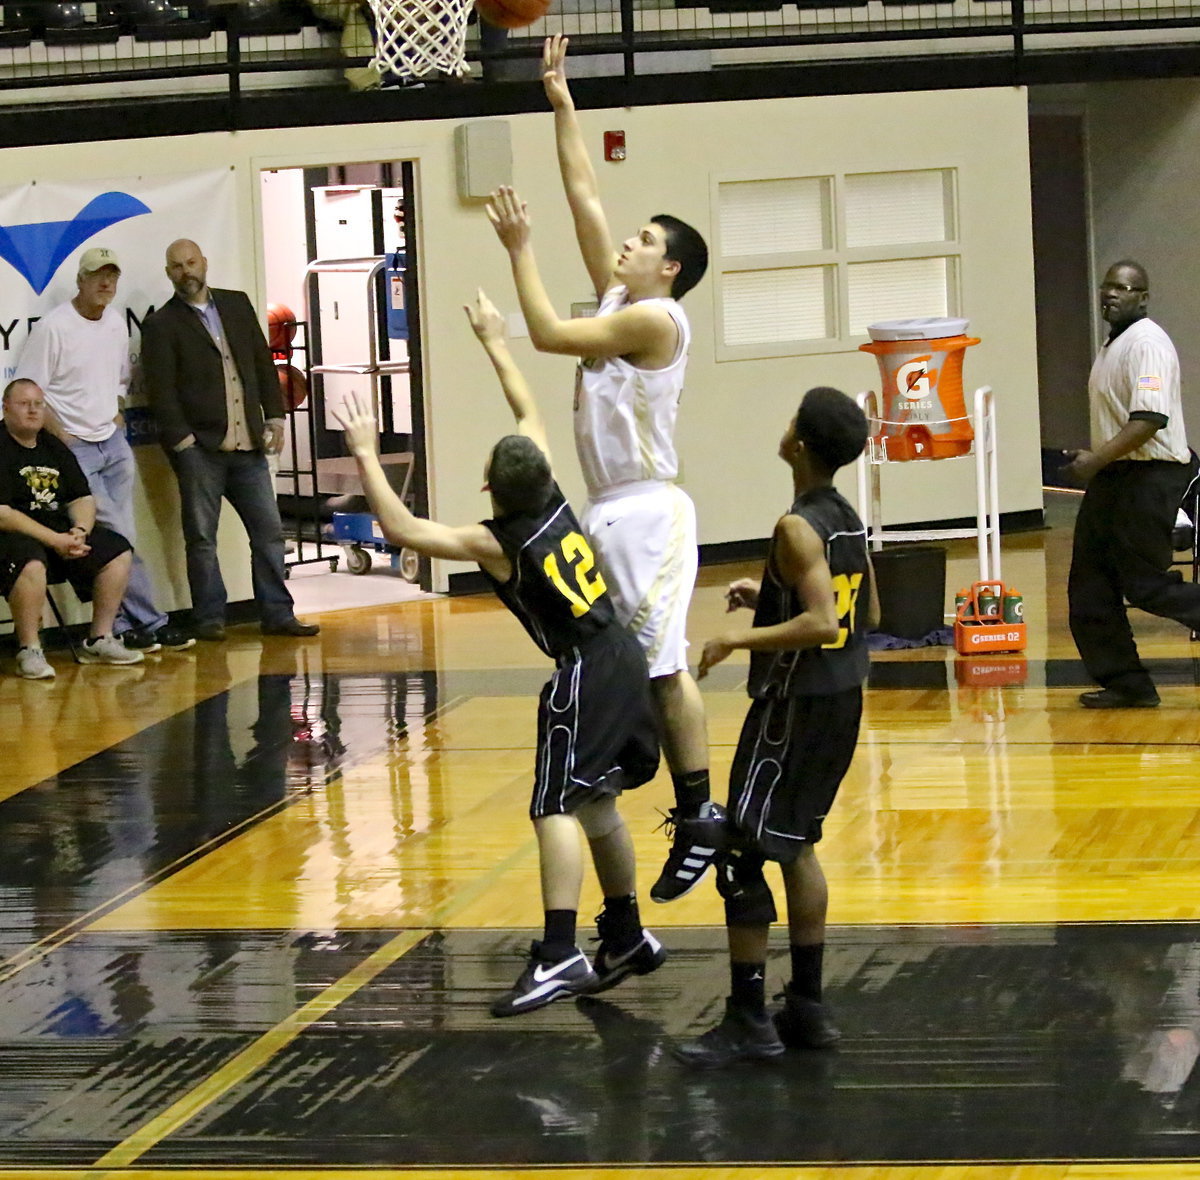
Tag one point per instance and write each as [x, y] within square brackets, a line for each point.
[625, 416]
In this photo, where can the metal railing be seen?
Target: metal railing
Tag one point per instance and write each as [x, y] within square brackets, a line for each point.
[114, 49]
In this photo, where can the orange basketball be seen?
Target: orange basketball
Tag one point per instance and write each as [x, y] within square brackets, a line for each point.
[511, 14]
[292, 385]
[281, 328]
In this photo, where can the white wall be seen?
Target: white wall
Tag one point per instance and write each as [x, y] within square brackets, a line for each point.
[734, 411]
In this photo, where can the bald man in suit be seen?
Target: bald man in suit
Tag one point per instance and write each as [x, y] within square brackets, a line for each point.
[212, 382]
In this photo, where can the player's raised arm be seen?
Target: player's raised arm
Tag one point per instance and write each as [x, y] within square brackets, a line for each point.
[400, 527]
[488, 325]
[633, 332]
[575, 167]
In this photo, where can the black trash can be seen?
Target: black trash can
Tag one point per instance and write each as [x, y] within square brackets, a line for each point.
[912, 590]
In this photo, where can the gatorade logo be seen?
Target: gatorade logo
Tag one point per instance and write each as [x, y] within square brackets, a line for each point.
[915, 380]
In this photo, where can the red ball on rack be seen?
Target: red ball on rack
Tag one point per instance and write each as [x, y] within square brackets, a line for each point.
[511, 14]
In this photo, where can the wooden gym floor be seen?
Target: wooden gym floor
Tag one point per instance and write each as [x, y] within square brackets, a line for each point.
[254, 900]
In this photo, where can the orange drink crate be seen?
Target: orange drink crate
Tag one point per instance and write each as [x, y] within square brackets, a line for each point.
[980, 628]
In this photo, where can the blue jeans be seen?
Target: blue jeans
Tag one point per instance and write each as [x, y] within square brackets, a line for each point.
[242, 478]
[110, 471]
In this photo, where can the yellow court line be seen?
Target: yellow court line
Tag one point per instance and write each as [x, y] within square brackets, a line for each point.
[254, 1056]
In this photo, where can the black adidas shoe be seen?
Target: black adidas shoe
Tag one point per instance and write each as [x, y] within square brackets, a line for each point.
[695, 842]
[543, 983]
[739, 1037]
[804, 1024]
[611, 965]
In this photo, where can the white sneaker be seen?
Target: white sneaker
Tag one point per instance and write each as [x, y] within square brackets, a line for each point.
[105, 649]
[32, 665]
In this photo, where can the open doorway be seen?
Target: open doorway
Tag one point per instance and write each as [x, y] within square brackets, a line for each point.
[341, 279]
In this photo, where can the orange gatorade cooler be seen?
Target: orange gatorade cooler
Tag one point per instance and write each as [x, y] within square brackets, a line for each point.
[922, 411]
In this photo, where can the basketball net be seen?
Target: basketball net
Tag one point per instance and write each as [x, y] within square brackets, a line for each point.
[416, 37]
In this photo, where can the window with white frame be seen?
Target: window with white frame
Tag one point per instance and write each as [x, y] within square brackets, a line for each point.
[806, 263]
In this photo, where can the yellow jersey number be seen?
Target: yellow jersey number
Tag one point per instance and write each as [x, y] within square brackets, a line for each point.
[845, 594]
[580, 562]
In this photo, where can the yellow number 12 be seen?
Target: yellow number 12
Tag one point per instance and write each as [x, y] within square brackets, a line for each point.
[589, 588]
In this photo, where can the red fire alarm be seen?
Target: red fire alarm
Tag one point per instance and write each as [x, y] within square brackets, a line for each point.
[614, 145]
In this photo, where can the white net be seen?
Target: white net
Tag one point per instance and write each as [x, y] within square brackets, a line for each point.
[418, 37]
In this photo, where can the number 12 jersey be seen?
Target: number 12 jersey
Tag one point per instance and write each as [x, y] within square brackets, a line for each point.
[555, 589]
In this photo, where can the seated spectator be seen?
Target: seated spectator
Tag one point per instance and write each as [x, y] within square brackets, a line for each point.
[48, 533]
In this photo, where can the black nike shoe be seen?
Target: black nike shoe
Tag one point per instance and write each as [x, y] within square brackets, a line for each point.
[612, 966]
[543, 983]
[739, 1037]
[695, 842]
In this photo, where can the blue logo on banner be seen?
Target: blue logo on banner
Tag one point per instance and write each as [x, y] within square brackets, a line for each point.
[38, 250]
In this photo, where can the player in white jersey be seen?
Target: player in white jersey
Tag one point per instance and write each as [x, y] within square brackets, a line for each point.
[1136, 473]
[642, 527]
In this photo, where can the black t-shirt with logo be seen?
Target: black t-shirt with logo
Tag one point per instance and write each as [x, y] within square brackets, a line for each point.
[41, 480]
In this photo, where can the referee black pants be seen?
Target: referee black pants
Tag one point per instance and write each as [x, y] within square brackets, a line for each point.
[1122, 553]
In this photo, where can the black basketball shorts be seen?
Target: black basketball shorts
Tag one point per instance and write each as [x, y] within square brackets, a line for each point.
[791, 757]
[597, 733]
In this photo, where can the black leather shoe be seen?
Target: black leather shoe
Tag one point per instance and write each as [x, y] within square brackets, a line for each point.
[1115, 698]
[211, 632]
[291, 627]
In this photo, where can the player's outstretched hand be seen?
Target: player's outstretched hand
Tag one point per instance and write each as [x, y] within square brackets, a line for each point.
[715, 651]
[509, 216]
[743, 592]
[554, 71]
[356, 419]
[486, 321]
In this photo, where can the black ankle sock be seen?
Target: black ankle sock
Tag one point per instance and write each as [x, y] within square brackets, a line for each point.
[558, 941]
[748, 987]
[806, 970]
[691, 790]
[622, 921]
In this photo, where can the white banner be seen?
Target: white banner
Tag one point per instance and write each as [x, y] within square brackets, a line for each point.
[45, 227]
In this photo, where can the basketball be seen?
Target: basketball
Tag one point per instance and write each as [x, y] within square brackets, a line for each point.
[511, 14]
[281, 328]
[292, 385]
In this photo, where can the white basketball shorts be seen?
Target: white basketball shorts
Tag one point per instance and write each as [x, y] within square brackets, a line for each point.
[644, 539]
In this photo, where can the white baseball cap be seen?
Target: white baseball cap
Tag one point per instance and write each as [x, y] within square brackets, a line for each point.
[97, 258]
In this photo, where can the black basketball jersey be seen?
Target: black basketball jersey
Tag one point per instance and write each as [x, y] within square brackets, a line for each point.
[835, 666]
[555, 589]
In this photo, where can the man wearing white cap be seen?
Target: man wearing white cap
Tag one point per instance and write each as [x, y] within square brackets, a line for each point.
[79, 355]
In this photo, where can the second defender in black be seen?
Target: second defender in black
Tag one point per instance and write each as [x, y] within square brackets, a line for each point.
[808, 661]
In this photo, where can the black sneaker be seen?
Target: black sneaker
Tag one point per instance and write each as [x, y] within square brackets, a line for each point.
[1118, 698]
[166, 638]
[611, 965]
[543, 983]
[695, 842]
[739, 1037]
[803, 1023]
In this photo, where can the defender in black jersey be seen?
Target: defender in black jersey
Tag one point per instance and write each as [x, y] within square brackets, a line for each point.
[808, 661]
[596, 728]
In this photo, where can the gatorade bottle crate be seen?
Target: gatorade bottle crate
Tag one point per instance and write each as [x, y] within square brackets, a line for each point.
[988, 618]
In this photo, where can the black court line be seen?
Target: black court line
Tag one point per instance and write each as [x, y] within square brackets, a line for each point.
[1013, 1043]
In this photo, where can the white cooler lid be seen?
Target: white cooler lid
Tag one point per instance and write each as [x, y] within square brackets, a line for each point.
[923, 328]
